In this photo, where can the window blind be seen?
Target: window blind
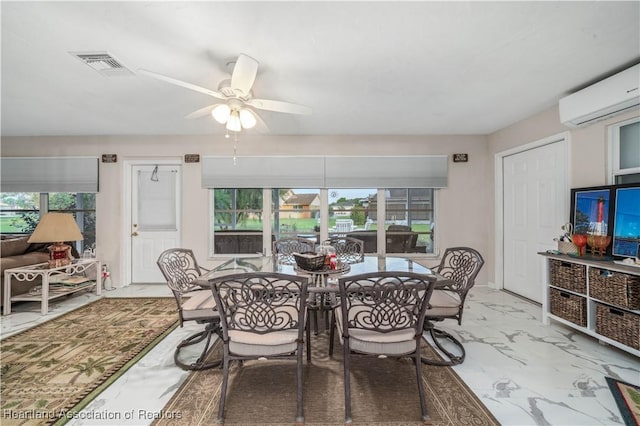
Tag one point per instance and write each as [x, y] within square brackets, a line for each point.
[263, 172]
[49, 174]
[417, 171]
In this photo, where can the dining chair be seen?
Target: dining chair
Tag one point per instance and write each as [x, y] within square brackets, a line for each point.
[180, 269]
[262, 315]
[382, 314]
[284, 248]
[348, 249]
[460, 267]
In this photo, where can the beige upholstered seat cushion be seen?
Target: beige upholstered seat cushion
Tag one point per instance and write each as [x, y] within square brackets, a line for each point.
[246, 343]
[398, 342]
[443, 303]
[200, 304]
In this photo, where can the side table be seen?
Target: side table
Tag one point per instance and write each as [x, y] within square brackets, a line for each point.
[31, 272]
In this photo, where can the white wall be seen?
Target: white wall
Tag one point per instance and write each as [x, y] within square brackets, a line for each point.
[464, 209]
[465, 212]
[588, 153]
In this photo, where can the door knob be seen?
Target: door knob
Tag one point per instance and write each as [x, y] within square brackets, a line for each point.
[134, 234]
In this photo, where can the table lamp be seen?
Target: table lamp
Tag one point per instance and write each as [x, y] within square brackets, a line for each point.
[57, 228]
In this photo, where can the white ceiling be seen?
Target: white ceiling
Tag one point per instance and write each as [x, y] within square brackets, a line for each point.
[368, 68]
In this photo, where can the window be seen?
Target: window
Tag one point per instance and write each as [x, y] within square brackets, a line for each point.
[240, 221]
[353, 205]
[409, 220]
[20, 212]
[289, 210]
[625, 148]
[296, 213]
[237, 221]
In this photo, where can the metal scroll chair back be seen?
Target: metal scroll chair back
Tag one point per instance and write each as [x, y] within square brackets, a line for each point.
[180, 269]
[263, 315]
[460, 266]
[348, 249]
[284, 248]
[382, 314]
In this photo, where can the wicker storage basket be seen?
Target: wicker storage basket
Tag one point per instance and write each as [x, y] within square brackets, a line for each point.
[615, 288]
[619, 325]
[565, 247]
[309, 261]
[568, 275]
[569, 306]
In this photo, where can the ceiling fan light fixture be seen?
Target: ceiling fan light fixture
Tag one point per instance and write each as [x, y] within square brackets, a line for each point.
[233, 124]
[221, 113]
[247, 119]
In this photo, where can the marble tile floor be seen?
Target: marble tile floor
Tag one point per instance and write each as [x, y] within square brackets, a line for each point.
[526, 373]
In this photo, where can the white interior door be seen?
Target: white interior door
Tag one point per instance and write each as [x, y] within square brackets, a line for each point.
[155, 218]
[535, 205]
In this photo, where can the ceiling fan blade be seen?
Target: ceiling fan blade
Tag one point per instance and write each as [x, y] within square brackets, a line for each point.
[261, 126]
[244, 73]
[201, 112]
[183, 84]
[279, 106]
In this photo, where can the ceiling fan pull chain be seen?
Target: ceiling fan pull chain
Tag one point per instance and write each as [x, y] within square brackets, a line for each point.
[235, 146]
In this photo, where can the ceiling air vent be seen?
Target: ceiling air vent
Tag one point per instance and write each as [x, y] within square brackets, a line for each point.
[103, 62]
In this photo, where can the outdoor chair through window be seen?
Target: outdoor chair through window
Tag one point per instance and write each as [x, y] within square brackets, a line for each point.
[401, 239]
[349, 250]
[284, 248]
[460, 266]
[262, 315]
[180, 268]
[381, 314]
[344, 225]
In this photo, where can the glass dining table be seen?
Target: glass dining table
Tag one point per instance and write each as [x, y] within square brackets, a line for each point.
[322, 281]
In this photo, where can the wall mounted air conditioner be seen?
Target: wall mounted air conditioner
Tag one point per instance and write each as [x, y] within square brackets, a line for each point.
[603, 99]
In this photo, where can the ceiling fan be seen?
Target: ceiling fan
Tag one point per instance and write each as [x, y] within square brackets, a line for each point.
[236, 112]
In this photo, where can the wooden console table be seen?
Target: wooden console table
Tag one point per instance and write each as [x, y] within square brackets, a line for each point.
[597, 297]
[78, 267]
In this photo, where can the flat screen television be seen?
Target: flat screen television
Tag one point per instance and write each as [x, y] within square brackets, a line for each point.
[626, 221]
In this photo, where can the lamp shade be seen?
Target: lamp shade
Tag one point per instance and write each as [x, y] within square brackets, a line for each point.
[247, 119]
[221, 113]
[233, 124]
[56, 227]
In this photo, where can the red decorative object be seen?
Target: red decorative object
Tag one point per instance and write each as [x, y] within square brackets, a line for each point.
[600, 209]
[59, 255]
[580, 240]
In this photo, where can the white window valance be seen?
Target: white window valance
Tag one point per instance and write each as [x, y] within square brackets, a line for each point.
[49, 174]
[263, 172]
[419, 171]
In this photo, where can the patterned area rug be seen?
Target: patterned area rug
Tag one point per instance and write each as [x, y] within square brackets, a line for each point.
[627, 398]
[384, 392]
[56, 368]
